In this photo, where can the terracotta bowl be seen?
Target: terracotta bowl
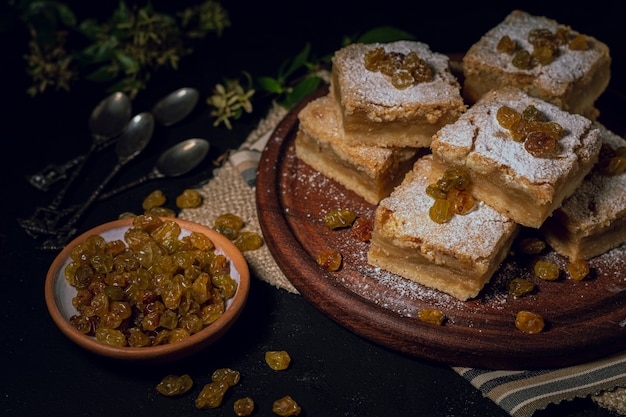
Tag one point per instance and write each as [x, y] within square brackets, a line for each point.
[59, 294]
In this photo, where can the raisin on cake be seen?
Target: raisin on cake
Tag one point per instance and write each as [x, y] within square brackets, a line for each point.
[526, 169]
[374, 112]
[546, 59]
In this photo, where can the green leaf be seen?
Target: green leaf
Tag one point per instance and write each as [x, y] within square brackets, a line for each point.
[128, 63]
[66, 15]
[300, 91]
[102, 74]
[90, 28]
[384, 34]
[270, 85]
[298, 61]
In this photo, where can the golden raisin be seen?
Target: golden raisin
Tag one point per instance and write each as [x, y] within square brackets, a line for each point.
[173, 385]
[519, 287]
[362, 229]
[506, 45]
[286, 406]
[547, 271]
[529, 322]
[373, 57]
[441, 211]
[189, 199]
[578, 269]
[339, 218]
[278, 360]
[243, 406]
[405, 70]
[154, 199]
[211, 395]
[531, 246]
[227, 375]
[540, 144]
[247, 241]
[532, 114]
[578, 43]
[543, 55]
[522, 60]
[402, 79]
[461, 200]
[329, 260]
[431, 315]
[507, 117]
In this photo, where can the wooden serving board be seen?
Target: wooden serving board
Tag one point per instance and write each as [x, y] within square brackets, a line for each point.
[585, 320]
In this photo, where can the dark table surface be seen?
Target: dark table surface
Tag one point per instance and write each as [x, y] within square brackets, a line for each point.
[334, 372]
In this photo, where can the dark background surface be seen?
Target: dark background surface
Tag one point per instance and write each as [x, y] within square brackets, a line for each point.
[334, 372]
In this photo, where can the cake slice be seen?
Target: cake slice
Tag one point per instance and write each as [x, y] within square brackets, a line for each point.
[524, 186]
[371, 172]
[376, 113]
[572, 76]
[593, 220]
[458, 257]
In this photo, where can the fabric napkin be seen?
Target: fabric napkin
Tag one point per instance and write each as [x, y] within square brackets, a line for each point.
[520, 393]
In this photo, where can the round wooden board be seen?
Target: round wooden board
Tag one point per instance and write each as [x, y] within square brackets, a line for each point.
[585, 320]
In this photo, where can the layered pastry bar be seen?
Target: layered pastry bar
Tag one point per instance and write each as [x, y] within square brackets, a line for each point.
[519, 176]
[458, 257]
[593, 220]
[376, 113]
[542, 57]
[371, 172]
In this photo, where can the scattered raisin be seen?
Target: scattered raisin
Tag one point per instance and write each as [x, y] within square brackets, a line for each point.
[278, 360]
[547, 271]
[329, 260]
[227, 375]
[189, 199]
[247, 241]
[243, 406]
[155, 199]
[339, 218]
[431, 315]
[211, 395]
[529, 322]
[531, 246]
[578, 269]
[362, 229]
[173, 385]
[286, 406]
[519, 287]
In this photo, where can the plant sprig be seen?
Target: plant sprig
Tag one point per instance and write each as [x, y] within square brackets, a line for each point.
[296, 78]
[122, 51]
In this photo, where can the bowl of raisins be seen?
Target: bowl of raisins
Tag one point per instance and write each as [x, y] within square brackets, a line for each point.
[147, 288]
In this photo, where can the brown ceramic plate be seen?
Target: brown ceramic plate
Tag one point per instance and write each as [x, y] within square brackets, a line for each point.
[586, 320]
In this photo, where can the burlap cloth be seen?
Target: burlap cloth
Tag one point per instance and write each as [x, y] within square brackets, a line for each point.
[228, 191]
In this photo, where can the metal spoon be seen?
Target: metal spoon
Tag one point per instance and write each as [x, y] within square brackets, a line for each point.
[175, 161]
[107, 120]
[175, 106]
[133, 140]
